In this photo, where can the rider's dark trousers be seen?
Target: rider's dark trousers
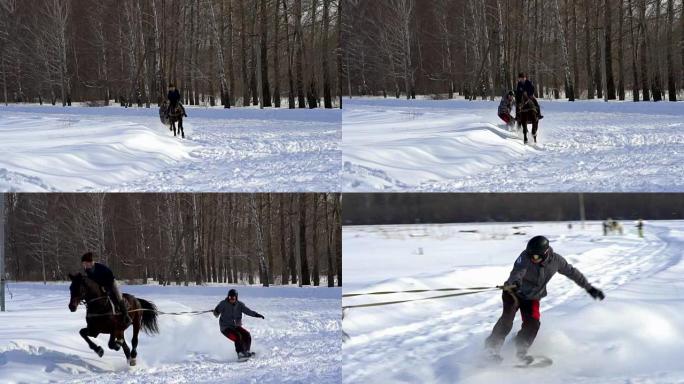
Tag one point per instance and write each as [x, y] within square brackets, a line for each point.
[116, 297]
[529, 311]
[241, 338]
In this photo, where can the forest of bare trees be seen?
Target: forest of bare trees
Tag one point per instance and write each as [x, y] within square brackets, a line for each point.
[178, 238]
[217, 52]
[611, 49]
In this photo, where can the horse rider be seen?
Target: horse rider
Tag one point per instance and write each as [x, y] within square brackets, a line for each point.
[174, 99]
[525, 86]
[104, 277]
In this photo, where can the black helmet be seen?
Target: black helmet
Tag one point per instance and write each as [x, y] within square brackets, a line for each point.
[538, 245]
[232, 292]
[510, 93]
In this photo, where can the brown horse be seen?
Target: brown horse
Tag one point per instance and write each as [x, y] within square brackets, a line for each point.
[174, 115]
[101, 316]
[527, 112]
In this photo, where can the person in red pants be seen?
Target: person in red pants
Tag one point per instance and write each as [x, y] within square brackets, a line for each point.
[523, 290]
[230, 311]
[505, 107]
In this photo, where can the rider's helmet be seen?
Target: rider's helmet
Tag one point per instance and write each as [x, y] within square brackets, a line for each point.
[233, 293]
[538, 248]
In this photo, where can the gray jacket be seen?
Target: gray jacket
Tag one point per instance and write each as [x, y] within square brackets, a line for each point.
[532, 278]
[505, 105]
[231, 314]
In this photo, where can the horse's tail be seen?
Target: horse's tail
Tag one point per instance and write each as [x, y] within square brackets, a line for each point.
[149, 317]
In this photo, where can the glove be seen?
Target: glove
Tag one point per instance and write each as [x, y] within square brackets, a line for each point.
[596, 293]
[510, 286]
[259, 315]
[216, 314]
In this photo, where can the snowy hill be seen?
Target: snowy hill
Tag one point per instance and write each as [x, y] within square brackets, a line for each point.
[633, 336]
[458, 145]
[49, 148]
[299, 340]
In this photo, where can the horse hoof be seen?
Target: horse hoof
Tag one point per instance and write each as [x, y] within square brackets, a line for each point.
[132, 362]
[99, 351]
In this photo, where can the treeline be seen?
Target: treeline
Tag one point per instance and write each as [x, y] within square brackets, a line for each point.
[178, 238]
[227, 52]
[612, 49]
[410, 208]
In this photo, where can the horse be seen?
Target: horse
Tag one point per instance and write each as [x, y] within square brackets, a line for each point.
[174, 115]
[526, 112]
[101, 316]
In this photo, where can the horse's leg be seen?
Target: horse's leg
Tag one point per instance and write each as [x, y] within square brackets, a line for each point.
[535, 126]
[85, 335]
[524, 124]
[137, 323]
[121, 342]
[112, 343]
[174, 128]
[180, 128]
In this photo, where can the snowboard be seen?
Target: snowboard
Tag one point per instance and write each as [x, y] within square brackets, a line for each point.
[243, 359]
[533, 361]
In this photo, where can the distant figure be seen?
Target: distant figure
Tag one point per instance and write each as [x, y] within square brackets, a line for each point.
[525, 86]
[640, 228]
[104, 277]
[505, 107]
[524, 289]
[174, 99]
[230, 322]
[605, 227]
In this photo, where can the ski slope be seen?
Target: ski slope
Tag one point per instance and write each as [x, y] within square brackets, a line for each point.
[633, 336]
[79, 148]
[299, 340]
[458, 145]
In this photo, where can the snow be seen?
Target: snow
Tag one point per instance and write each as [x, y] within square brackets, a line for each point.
[80, 148]
[459, 145]
[299, 340]
[633, 336]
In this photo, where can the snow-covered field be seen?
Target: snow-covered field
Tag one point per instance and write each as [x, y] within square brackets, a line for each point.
[47, 148]
[634, 336]
[458, 145]
[298, 342]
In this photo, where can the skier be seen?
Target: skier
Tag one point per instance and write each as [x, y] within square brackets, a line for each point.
[525, 86]
[505, 107]
[174, 99]
[640, 228]
[104, 277]
[231, 309]
[523, 290]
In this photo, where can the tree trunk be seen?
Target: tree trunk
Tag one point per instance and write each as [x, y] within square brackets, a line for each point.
[564, 51]
[587, 48]
[671, 88]
[327, 92]
[265, 86]
[643, 33]
[608, 54]
[635, 47]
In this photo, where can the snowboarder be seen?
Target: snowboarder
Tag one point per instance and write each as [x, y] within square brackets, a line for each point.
[523, 290]
[104, 277]
[231, 309]
[505, 107]
[525, 86]
[174, 100]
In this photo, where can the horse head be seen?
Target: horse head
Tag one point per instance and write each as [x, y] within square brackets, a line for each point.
[82, 289]
[76, 290]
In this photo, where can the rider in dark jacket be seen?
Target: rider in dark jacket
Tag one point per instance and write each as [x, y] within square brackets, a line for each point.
[523, 290]
[525, 86]
[104, 277]
[174, 99]
[230, 311]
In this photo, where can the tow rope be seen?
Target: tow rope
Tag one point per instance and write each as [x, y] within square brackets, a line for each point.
[471, 291]
[151, 310]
